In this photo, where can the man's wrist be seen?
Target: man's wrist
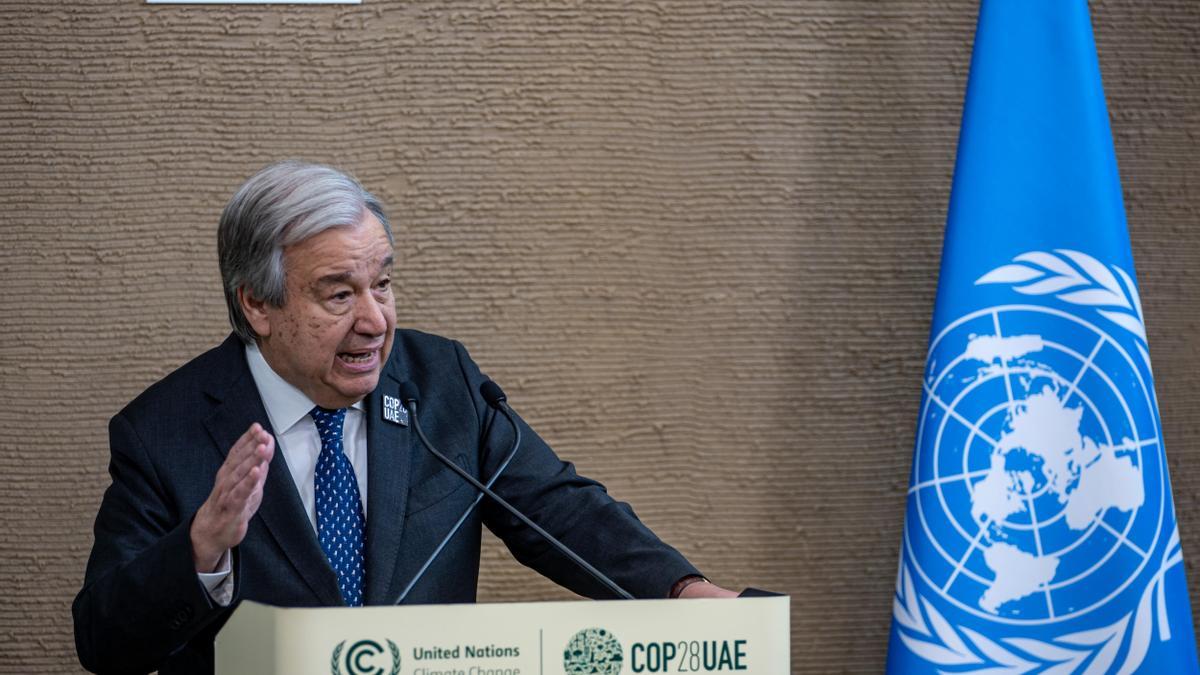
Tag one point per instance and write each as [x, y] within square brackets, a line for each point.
[206, 564]
[683, 583]
[205, 559]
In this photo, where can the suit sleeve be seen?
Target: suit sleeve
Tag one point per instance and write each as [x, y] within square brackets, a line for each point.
[141, 599]
[575, 509]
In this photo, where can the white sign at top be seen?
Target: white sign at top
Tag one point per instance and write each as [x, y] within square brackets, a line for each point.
[253, 2]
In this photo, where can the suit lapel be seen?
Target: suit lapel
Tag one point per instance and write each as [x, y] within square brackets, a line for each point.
[240, 405]
[389, 461]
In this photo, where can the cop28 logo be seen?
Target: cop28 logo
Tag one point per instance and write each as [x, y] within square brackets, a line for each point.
[365, 658]
[1039, 492]
[593, 651]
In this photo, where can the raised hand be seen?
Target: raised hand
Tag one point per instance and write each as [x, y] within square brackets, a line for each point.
[221, 522]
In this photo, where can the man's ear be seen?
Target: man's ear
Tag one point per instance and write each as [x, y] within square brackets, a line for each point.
[255, 311]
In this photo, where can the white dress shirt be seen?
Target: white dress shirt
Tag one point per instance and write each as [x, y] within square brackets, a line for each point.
[297, 438]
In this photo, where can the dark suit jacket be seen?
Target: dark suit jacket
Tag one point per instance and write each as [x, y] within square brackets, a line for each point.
[142, 606]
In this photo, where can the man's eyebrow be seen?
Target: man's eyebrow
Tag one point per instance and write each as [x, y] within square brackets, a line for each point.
[333, 279]
[344, 277]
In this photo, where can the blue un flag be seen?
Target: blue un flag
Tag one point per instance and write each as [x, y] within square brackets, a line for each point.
[1040, 532]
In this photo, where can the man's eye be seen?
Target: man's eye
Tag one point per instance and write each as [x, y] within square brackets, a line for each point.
[341, 296]
[384, 284]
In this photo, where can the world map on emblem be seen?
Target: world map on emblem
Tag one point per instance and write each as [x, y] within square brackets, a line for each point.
[1038, 492]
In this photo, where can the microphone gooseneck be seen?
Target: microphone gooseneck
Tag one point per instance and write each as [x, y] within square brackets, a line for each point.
[409, 393]
[410, 396]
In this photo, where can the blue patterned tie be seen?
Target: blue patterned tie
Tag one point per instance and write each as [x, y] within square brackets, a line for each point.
[340, 521]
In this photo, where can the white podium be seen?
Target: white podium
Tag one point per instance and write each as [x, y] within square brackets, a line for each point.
[744, 635]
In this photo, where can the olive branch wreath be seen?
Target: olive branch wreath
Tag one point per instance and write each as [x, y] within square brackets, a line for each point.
[395, 657]
[336, 659]
[1078, 279]
[930, 636]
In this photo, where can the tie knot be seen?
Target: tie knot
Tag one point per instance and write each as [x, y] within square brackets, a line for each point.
[329, 422]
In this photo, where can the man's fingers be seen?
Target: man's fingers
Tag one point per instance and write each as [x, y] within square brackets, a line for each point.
[253, 476]
[269, 451]
[261, 457]
[242, 491]
[259, 451]
[238, 452]
[250, 460]
[245, 444]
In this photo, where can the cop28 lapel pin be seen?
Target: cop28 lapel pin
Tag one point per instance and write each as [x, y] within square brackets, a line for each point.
[393, 411]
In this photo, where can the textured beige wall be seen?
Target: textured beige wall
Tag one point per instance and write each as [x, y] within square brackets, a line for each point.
[696, 241]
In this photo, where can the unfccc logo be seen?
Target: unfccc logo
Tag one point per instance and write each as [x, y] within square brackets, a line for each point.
[365, 658]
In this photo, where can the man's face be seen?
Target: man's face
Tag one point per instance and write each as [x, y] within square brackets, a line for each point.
[334, 331]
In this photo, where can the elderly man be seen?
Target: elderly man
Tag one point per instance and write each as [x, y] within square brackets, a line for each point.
[277, 467]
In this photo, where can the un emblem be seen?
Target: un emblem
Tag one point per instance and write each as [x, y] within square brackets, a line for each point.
[1038, 493]
[1034, 439]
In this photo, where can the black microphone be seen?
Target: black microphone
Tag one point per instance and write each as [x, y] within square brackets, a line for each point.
[492, 393]
[410, 395]
[409, 391]
[494, 397]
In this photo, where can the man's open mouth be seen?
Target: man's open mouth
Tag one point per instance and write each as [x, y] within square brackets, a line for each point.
[357, 357]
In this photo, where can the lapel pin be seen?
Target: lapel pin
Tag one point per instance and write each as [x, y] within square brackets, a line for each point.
[394, 412]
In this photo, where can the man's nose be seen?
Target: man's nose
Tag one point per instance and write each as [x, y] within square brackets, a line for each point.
[369, 318]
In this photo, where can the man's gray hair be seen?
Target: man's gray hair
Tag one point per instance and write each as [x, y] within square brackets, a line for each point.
[282, 205]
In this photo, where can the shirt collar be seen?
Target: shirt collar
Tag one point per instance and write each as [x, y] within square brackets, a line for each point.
[286, 405]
